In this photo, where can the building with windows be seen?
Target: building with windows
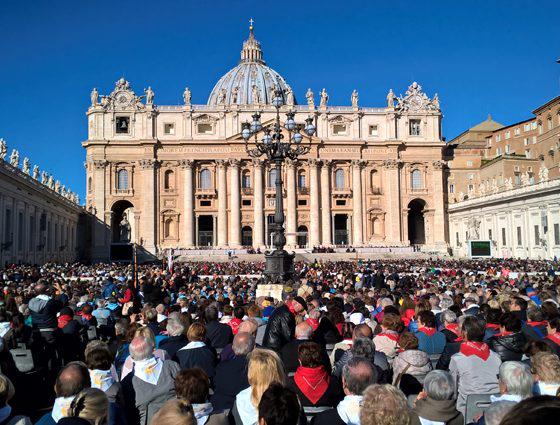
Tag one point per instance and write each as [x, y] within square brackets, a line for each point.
[504, 185]
[40, 220]
[167, 176]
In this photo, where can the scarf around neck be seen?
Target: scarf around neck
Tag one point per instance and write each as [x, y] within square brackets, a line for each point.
[555, 337]
[102, 379]
[392, 335]
[61, 407]
[427, 331]
[478, 349]
[349, 409]
[202, 411]
[313, 382]
[453, 327]
[64, 320]
[148, 370]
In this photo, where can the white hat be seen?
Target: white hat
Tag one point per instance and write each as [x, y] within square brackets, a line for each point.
[357, 318]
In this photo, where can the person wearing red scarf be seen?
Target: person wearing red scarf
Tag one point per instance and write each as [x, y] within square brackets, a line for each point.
[553, 335]
[535, 329]
[510, 341]
[238, 313]
[475, 367]
[450, 326]
[312, 382]
[429, 340]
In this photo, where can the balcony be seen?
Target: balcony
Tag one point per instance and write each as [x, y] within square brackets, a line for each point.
[124, 192]
[170, 191]
[341, 192]
[303, 190]
[375, 190]
[247, 191]
[205, 193]
[419, 191]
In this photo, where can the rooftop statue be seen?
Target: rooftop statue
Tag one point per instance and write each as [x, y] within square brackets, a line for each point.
[391, 99]
[187, 96]
[14, 158]
[3, 149]
[324, 98]
[94, 97]
[149, 96]
[26, 166]
[354, 99]
[35, 172]
[310, 99]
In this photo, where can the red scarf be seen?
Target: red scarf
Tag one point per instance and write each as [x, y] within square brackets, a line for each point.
[234, 324]
[291, 308]
[492, 326]
[314, 323]
[504, 333]
[453, 327]
[63, 320]
[339, 327]
[390, 335]
[312, 382]
[533, 324]
[407, 317]
[555, 337]
[479, 349]
[427, 331]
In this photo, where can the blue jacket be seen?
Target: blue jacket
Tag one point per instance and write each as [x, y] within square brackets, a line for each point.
[431, 344]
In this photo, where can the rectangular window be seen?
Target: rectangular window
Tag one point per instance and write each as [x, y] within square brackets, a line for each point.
[504, 240]
[339, 129]
[302, 202]
[525, 141]
[533, 125]
[451, 188]
[517, 131]
[528, 153]
[517, 178]
[169, 128]
[508, 134]
[205, 203]
[203, 128]
[471, 187]
[340, 202]
[246, 202]
[373, 131]
[122, 125]
[519, 239]
[499, 152]
[457, 241]
[469, 163]
[498, 137]
[414, 127]
[556, 233]
[507, 148]
[537, 234]
[527, 127]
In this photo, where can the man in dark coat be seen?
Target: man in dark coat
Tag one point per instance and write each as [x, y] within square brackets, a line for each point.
[289, 353]
[282, 324]
[218, 334]
[231, 375]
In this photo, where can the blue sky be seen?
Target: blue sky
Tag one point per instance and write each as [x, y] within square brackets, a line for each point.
[481, 57]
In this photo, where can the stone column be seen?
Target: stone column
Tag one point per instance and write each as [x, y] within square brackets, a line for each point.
[188, 203]
[392, 203]
[235, 205]
[222, 203]
[358, 217]
[148, 227]
[326, 203]
[291, 216]
[258, 199]
[314, 219]
[439, 226]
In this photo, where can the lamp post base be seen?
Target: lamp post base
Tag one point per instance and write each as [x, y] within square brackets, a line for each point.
[279, 266]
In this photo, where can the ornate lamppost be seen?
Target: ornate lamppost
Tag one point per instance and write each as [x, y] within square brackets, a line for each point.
[279, 263]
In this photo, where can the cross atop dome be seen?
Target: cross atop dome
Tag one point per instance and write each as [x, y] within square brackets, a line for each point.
[251, 51]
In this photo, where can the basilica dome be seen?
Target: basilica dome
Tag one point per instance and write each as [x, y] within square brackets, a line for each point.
[251, 82]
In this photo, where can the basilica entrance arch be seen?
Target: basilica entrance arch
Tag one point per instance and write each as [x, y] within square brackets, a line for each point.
[416, 226]
[302, 236]
[246, 236]
[122, 222]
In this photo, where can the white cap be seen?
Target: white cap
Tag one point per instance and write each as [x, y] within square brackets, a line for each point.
[357, 318]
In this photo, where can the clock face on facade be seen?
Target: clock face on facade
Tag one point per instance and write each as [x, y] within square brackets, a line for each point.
[415, 102]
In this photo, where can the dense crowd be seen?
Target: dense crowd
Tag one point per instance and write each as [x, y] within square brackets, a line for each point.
[410, 341]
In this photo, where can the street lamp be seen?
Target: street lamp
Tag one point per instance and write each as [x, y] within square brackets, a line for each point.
[279, 263]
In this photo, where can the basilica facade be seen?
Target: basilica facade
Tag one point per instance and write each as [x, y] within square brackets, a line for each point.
[166, 176]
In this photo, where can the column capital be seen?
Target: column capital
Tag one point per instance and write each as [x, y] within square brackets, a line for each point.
[146, 164]
[186, 163]
[392, 164]
[313, 162]
[439, 164]
[222, 163]
[101, 164]
[258, 163]
[291, 163]
[358, 163]
[234, 162]
[327, 163]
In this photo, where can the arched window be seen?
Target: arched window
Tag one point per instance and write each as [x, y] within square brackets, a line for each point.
[339, 179]
[272, 177]
[169, 180]
[416, 179]
[301, 181]
[205, 178]
[122, 180]
[246, 179]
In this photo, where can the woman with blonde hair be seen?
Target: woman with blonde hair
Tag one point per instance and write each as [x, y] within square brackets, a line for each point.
[176, 412]
[91, 405]
[265, 368]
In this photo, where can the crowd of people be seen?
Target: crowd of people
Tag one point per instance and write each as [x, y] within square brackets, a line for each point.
[410, 341]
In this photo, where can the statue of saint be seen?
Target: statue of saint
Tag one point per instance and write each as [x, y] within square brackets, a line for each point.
[50, 183]
[310, 99]
[94, 97]
[289, 96]
[149, 96]
[354, 99]
[255, 98]
[124, 230]
[234, 94]
[44, 177]
[324, 98]
[3, 149]
[57, 187]
[435, 101]
[187, 96]
[26, 166]
[543, 174]
[391, 99]
[222, 97]
[525, 179]
[509, 183]
[14, 158]
[35, 172]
